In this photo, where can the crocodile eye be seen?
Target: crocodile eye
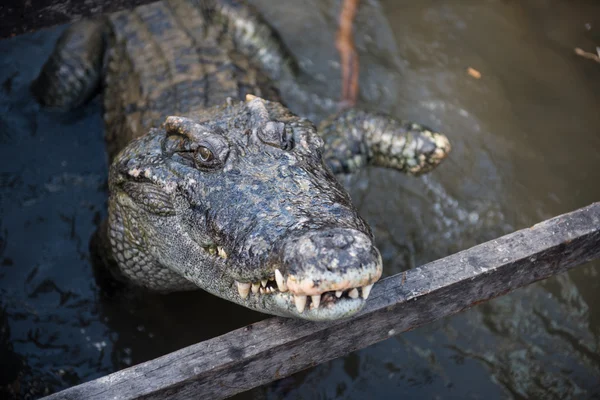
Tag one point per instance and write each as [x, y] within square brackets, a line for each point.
[210, 155]
[204, 154]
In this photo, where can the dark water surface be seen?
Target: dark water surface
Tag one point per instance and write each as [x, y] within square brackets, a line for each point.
[526, 139]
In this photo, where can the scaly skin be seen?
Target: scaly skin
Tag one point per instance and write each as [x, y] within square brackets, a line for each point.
[213, 187]
[355, 139]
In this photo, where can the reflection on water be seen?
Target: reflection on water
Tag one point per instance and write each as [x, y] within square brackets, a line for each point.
[525, 148]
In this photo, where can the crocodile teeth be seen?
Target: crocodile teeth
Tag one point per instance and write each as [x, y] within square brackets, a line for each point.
[316, 300]
[221, 252]
[243, 289]
[300, 301]
[353, 293]
[255, 287]
[366, 290]
[263, 282]
[280, 282]
[262, 290]
[338, 293]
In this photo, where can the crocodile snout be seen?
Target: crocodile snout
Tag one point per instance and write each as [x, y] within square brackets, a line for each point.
[330, 260]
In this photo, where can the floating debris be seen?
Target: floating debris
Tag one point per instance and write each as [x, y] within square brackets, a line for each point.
[589, 56]
[474, 73]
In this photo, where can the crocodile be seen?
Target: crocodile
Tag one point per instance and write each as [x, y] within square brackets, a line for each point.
[213, 182]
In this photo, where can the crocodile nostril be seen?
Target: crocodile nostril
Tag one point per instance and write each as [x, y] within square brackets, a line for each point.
[333, 239]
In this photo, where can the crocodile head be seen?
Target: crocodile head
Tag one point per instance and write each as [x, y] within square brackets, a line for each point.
[239, 201]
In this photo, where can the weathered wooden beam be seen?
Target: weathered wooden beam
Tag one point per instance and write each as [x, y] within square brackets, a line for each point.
[20, 16]
[275, 348]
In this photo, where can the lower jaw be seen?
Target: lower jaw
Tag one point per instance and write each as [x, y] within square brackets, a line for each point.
[283, 304]
[266, 298]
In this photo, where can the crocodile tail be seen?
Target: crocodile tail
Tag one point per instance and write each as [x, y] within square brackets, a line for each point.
[72, 74]
[253, 36]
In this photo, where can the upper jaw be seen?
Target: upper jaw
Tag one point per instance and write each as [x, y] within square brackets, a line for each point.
[323, 275]
[320, 275]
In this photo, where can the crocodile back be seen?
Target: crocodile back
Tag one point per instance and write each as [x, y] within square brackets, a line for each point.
[170, 58]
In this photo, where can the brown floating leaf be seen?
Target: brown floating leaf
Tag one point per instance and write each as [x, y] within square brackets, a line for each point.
[474, 73]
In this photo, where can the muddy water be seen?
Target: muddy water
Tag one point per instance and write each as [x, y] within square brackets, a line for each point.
[526, 139]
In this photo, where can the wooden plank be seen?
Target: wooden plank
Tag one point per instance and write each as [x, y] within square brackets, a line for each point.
[20, 16]
[275, 348]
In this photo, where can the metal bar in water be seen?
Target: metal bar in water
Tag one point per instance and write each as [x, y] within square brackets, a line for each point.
[275, 348]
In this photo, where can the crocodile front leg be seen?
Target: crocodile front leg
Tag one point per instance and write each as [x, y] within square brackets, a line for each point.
[355, 139]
